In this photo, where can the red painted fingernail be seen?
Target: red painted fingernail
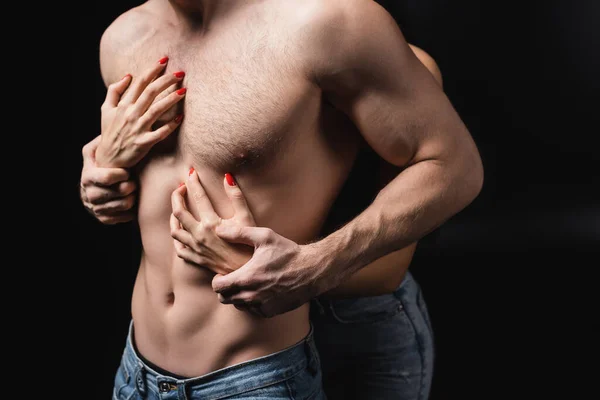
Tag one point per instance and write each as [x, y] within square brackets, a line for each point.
[181, 91]
[230, 180]
[179, 74]
[178, 118]
[191, 171]
[126, 76]
[181, 184]
[163, 60]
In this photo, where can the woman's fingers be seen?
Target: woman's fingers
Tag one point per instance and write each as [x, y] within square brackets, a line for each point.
[186, 219]
[139, 84]
[89, 151]
[100, 195]
[238, 200]
[154, 89]
[203, 206]
[115, 91]
[151, 138]
[160, 107]
[177, 232]
[183, 237]
[190, 256]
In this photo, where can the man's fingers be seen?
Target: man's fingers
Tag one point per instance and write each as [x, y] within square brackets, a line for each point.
[180, 212]
[234, 282]
[144, 103]
[249, 235]
[116, 90]
[160, 134]
[238, 200]
[243, 298]
[117, 219]
[200, 200]
[104, 176]
[115, 206]
[99, 194]
[139, 84]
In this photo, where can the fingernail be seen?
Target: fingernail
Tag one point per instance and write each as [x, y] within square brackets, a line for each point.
[229, 179]
[126, 76]
[191, 171]
[181, 184]
[179, 74]
[178, 118]
[163, 60]
[181, 91]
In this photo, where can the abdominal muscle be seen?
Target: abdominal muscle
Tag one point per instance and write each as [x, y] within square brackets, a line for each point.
[179, 323]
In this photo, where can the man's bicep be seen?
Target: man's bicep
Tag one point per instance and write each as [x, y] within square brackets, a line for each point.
[393, 99]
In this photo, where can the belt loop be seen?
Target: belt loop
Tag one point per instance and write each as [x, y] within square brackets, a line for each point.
[311, 356]
[140, 380]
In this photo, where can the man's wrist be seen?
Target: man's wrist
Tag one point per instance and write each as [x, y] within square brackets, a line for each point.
[335, 258]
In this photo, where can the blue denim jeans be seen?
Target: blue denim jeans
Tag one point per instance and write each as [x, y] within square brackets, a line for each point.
[293, 373]
[375, 348]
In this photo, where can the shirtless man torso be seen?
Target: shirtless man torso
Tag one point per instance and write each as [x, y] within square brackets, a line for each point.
[268, 101]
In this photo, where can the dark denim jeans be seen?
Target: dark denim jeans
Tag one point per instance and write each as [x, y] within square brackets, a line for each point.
[375, 348]
[291, 374]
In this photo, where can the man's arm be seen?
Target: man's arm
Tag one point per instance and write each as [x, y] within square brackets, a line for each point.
[366, 69]
[382, 275]
[371, 74]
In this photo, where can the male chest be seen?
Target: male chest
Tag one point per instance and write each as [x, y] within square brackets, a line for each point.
[247, 95]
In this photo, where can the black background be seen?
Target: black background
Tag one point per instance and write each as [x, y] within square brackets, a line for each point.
[507, 280]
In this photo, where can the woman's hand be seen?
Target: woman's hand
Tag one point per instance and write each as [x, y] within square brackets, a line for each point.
[107, 193]
[195, 240]
[127, 120]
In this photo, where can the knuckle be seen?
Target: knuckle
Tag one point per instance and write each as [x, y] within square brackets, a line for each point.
[266, 235]
[199, 196]
[94, 198]
[199, 238]
[126, 187]
[153, 113]
[153, 90]
[236, 193]
[177, 211]
[130, 115]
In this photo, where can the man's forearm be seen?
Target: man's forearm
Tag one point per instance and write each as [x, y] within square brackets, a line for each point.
[416, 202]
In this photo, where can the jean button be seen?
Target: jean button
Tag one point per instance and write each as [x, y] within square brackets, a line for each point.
[164, 387]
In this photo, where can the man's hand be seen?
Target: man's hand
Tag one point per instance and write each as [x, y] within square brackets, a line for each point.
[280, 276]
[105, 192]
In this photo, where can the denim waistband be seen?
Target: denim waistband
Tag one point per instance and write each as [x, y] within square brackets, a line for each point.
[229, 381]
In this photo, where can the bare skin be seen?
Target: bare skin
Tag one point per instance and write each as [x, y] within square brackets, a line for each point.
[110, 197]
[253, 109]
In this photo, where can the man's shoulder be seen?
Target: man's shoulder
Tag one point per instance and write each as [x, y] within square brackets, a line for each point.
[127, 30]
[339, 33]
[123, 37]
